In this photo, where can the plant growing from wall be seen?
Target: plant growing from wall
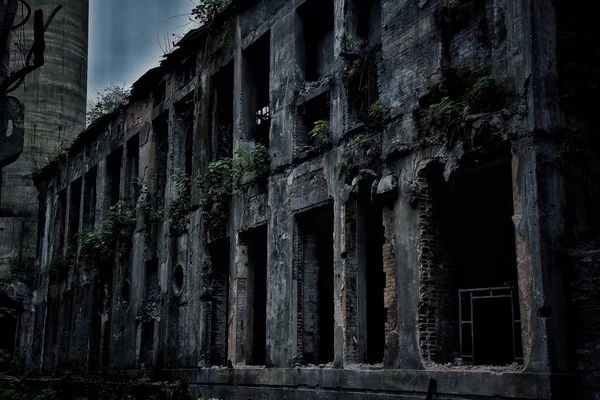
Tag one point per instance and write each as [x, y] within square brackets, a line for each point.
[359, 142]
[321, 127]
[446, 113]
[107, 102]
[180, 205]
[485, 95]
[251, 163]
[377, 113]
[111, 239]
[151, 215]
[216, 187]
[207, 10]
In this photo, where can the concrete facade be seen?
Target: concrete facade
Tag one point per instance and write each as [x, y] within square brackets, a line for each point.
[423, 227]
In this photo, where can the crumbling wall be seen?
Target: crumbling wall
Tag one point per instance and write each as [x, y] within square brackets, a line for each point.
[337, 231]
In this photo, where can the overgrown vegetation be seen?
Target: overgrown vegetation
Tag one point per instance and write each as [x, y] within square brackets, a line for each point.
[251, 163]
[472, 97]
[321, 127]
[151, 215]
[446, 112]
[377, 112]
[359, 142]
[485, 95]
[111, 239]
[217, 186]
[180, 206]
[112, 98]
[207, 10]
[248, 165]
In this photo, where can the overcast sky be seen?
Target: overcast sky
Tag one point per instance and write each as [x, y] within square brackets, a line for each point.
[124, 37]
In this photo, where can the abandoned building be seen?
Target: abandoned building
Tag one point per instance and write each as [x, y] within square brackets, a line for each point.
[338, 199]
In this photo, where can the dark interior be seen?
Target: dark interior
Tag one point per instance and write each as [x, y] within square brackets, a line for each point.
[222, 111]
[317, 18]
[256, 240]
[376, 314]
[219, 258]
[481, 235]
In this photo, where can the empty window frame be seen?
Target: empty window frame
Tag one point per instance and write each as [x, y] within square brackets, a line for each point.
[316, 37]
[254, 243]
[257, 114]
[161, 136]
[151, 293]
[371, 279]
[219, 260]
[74, 213]
[313, 123]
[470, 264]
[186, 71]
[314, 268]
[160, 93]
[222, 112]
[113, 175]
[368, 20]
[132, 169]
[184, 111]
[62, 221]
[89, 198]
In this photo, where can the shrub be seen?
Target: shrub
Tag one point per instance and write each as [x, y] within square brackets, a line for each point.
[445, 113]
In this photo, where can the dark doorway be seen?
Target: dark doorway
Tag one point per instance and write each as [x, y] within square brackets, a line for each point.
[220, 260]
[315, 297]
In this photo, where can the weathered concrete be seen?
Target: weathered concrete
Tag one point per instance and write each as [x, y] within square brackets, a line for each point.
[363, 222]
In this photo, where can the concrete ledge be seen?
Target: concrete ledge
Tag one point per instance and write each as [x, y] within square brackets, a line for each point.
[405, 383]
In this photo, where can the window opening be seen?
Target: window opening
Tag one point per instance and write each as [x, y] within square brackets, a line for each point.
[113, 169]
[222, 112]
[257, 64]
[316, 28]
[133, 167]
[161, 132]
[89, 198]
[255, 241]
[220, 259]
[315, 289]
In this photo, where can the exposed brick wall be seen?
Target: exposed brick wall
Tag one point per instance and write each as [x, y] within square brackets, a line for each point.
[310, 298]
[437, 322]
[219, 319]
[389, 269]
[350, 303]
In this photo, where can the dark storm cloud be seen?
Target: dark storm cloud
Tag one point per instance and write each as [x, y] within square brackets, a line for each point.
[124, 37]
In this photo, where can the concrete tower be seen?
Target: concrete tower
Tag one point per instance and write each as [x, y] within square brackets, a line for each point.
[55, 99]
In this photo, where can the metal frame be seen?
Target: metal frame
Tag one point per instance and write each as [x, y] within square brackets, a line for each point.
[484, 293]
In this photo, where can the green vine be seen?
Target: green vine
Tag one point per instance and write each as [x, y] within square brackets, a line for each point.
[113, 238]
[180, 206]
[445, 113]
[226, 174]
[359, 142]
[251, 163]
[321, 127]
[217, 186]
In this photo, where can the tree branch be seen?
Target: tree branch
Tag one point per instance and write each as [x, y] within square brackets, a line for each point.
[37, 52]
